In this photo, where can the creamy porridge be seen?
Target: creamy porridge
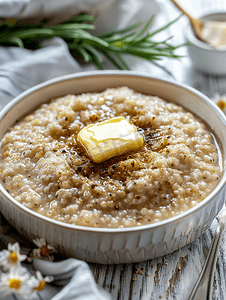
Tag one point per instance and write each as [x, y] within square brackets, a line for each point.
[45, 168]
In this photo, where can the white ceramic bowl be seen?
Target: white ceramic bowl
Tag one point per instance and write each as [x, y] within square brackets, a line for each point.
[203, 56]
[127, 244]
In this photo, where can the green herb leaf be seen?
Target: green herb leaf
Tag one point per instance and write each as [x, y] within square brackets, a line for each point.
[76, 32]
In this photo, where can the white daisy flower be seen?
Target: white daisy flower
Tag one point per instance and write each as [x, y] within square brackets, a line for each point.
[38, 282]
[15, 281]
[11, 258]
[44, 251]
[220, 101]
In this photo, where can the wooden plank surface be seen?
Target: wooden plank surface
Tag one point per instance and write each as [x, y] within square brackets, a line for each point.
[172, 276]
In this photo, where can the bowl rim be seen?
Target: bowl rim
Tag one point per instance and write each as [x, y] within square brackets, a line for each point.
[190, 36]
[100, 230]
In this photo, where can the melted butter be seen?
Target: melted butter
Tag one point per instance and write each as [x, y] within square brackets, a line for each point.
[214, 32]
[110, 138]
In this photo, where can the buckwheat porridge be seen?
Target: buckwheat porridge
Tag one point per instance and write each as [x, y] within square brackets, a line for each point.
[45, 168]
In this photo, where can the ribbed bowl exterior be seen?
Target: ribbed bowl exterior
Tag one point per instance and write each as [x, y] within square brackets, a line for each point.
[113, 248]
[125, 245]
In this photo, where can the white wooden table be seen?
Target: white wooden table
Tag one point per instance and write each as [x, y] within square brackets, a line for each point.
[172, 276]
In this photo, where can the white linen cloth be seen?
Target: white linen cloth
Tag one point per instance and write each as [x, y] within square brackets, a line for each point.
[21, 69]
[74, 276]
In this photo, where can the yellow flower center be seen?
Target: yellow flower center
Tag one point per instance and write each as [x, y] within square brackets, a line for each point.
[44, 251]
[13, 257]
[41, 286]
[221, 104]
[14, 283]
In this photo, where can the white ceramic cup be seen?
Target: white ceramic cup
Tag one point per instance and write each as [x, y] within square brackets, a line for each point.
[204, 57]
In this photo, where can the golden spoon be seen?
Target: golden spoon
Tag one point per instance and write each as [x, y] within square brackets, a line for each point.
[197, 24]
[211, 32]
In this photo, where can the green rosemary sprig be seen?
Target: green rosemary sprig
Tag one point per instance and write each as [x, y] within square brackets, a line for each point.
[82, 43]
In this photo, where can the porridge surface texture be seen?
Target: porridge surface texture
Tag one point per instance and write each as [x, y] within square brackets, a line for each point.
[44, 167]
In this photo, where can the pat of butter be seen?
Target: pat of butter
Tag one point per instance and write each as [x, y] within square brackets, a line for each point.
[110, 138]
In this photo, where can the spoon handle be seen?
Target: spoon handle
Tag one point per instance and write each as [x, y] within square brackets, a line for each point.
[203, 287]
[182, 10]
[197, 24]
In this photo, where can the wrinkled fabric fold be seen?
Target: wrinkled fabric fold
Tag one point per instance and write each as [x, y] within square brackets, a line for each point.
[76, 278]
